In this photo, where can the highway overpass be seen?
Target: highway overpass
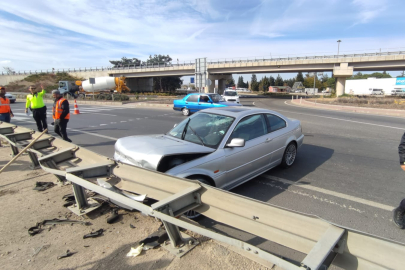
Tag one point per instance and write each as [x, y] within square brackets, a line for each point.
[342, 66]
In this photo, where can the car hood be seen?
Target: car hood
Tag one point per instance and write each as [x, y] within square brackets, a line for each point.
[147, 151]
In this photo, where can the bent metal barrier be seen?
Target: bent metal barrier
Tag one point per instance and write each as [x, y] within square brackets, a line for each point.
[308, 234]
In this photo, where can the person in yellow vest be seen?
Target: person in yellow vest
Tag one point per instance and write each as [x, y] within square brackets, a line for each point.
[35, 101]
[5, 110]
[60, 114]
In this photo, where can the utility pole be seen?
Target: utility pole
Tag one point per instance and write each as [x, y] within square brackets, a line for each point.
[338, 45]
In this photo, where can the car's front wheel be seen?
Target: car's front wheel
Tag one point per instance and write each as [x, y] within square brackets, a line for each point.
[289, 156]
[186, 111]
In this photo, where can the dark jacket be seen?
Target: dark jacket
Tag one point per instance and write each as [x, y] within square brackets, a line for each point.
[401, 150]
[65, 108]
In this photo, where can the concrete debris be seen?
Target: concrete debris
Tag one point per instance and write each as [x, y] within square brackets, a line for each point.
[94, 234]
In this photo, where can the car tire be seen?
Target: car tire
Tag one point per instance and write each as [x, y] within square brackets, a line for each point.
[289, 156]
[193, 215]
[185, 111]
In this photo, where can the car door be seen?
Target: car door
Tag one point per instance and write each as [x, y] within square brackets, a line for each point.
[192, 103]
[241, 163]
[204, 102]
[277, 137]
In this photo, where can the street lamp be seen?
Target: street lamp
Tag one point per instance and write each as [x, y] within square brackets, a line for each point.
[338, 45]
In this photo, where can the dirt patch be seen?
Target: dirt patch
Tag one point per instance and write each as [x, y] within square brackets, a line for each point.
[380, 103]
[22, 207]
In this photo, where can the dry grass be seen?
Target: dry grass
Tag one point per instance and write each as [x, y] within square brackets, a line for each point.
[371, 102]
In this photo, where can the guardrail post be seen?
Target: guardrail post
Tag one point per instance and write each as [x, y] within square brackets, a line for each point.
[34, 160]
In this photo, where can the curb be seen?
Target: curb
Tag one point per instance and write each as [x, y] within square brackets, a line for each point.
[352, 109]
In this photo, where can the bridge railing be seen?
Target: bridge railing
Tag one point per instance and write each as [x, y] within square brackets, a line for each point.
[107, 68]
[209, 61]
[292, 57]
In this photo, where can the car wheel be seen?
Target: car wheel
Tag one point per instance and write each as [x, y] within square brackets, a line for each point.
[289, 156]
[186, 112]
[193, 214]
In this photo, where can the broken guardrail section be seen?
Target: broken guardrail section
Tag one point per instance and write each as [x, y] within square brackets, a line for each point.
[346, 248]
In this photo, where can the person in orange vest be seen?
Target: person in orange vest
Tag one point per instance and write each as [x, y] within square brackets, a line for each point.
[5, 110]
[61, 114]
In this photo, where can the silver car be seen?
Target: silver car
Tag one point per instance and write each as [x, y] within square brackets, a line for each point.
[222, 147]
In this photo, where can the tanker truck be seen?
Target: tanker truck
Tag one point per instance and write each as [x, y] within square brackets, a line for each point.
[82, 88]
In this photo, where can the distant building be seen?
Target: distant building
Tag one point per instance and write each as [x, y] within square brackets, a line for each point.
[366, 86]
[279, 89]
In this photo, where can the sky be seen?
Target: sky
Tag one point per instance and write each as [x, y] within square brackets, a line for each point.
[46, 34]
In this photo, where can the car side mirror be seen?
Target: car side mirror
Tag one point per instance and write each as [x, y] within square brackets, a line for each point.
[236, 142]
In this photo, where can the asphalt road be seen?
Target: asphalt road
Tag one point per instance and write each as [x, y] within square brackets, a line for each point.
[347, 171]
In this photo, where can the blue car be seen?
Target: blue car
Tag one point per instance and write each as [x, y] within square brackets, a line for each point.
[196, 102]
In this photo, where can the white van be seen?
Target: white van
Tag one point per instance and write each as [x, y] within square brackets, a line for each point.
[377, 92]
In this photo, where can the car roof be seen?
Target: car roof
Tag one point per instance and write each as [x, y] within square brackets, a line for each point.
[237, 111]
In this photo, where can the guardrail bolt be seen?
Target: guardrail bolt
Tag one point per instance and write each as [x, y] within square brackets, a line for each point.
[248, 248]
[255, 252]
[254, 217]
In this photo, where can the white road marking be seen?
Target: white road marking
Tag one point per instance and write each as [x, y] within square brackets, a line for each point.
[103, 124]
[330, 192]
[340, 119]
[339, 111]
[98, 113]
[18, 118]
[123, 121]
[138, 118]
[94, 134]
[113, 122]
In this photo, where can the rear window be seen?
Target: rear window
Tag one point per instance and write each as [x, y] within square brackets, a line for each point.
[275, 122]
[192, 98]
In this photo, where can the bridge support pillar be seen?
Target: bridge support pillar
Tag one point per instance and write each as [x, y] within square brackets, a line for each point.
[221, 82]
[341, 72]
[221, 86]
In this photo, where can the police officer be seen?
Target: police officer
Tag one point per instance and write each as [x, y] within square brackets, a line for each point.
[399, 212]
[5, 110]
[61, 114]
[38, 108]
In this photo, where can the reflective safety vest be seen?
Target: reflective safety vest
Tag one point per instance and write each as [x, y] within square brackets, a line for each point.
[57, 109]
[36, 101]
[5, 105]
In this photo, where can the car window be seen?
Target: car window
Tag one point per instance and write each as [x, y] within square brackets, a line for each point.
[230, 93]
[250, 128]
[275, 122]
[192, 98]
[204, 128]
[204, 99]
[216, 98]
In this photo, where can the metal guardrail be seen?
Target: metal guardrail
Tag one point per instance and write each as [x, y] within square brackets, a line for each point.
[210, 61]
[308, 234]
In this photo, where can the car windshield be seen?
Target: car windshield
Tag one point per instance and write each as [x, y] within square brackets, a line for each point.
[203, 128]
[230, 93]
[216, 98]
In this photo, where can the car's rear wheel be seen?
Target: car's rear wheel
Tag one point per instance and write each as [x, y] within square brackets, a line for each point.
[289, 156]
[186, 112]
[193, 214]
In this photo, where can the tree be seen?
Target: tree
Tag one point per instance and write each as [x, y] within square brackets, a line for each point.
[254, 85]
[126, 62]
[300, 78]
[309, 82]
[158, 59]
[359, 75]
[290, 82]
[279, 81]
[272, 81]
[230, 83]
[167, 84]
[241, 84]
[9, 70]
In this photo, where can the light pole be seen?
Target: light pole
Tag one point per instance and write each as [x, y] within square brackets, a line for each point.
[338, 45]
